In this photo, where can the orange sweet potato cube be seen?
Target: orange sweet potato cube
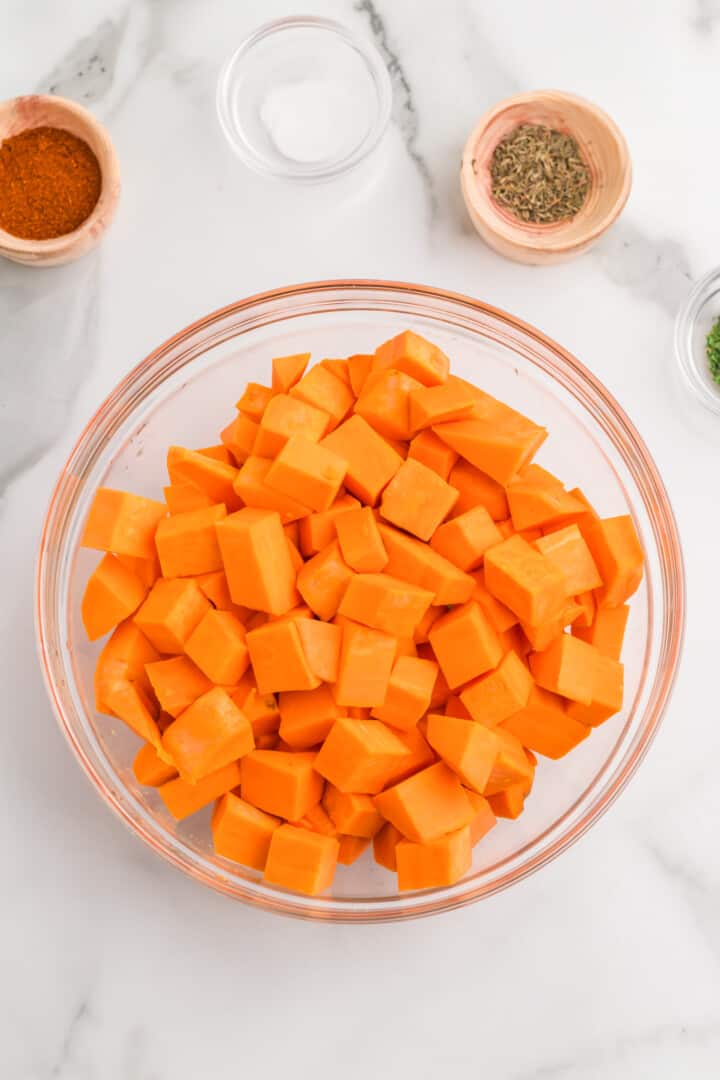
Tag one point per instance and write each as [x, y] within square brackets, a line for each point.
[415, 355]
[351, 813]
[358, 756]
[417, 499]
[131, 704]
[254, 400]
[371, 461]
[187, 543]
[350, 848]
[465, 643]
[284, 417]
[435, 863]
[484, 818]
[525, 581]
[426, 805]
[499, 615]
[183, 496]
[122, 523]
[149, 768]
[409, 692]
[411, 560]
[512, 764]
[385, 603]
[321, 643]
[176, 683]
[606, 631]
[452, 400]
[509, 803]
[323, 389]
[616, 549]
[278, 658]
[465, 539]
[113, 592]
[477, 489]
[567, 549]
[433, 452]
[385, 846]
[301, 860]
[241, 832]
[306, 716]
[257, 561]
[183, 798]
[307, 471]
[360, 541]
[494, 697]
[210, 733]
[239, 437]
[288, 370]
[318, 530]
[323, 580]
[171, 612]
[567, 668]
[545, 726]
[215, 478]
[219, 648]
[607, 699]
[366, 660]
[281, 782]
[123, 657]
[537, 498]
[496, 439]
[147, 570]
[253, 490]
[385, 403]
[469, 749]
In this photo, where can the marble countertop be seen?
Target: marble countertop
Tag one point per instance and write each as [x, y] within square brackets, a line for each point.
[606, 964]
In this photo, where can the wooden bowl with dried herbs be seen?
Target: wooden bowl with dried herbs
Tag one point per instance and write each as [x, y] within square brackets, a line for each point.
[59, 180]
[544, 175]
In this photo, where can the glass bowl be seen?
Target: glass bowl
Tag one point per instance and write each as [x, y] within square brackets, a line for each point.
[694, 322]
[276, 80]
[184, 393]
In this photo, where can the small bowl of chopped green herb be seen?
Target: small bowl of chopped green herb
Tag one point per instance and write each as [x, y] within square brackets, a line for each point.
[697, 340]
[544, 175]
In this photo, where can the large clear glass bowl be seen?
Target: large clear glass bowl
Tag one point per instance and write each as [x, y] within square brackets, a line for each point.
[184, 393]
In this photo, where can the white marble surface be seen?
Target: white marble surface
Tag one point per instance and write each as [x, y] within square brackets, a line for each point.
[606, 964]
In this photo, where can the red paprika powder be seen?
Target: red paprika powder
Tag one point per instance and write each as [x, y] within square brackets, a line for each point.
[49, 183]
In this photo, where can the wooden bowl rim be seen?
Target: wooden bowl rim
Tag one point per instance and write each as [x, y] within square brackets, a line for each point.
[109, 170]
[534, 238]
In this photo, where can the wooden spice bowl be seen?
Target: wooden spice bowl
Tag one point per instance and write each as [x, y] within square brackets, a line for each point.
[38, 110]
[603, 148]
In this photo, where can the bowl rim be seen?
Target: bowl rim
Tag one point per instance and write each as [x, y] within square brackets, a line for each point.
[639, 461]
[305, 172]
[103, 209]
[534, 238]
[685, 353]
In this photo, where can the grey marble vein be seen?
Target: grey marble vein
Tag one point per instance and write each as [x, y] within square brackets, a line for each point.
[699, 893]
[706, 17]
[86, 72]
[651, 268]
[74, 1028]
[404, 110]
[48, 339]
[625, 1049]
[103, 68]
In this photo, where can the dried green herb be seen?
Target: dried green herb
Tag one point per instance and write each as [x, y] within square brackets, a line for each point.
[539, 174]
[712, 348]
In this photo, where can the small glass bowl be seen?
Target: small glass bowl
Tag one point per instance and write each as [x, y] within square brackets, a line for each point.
[301, 50]
[692, 326]
[182, 393]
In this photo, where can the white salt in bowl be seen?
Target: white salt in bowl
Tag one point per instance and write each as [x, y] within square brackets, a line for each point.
[304, 99]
